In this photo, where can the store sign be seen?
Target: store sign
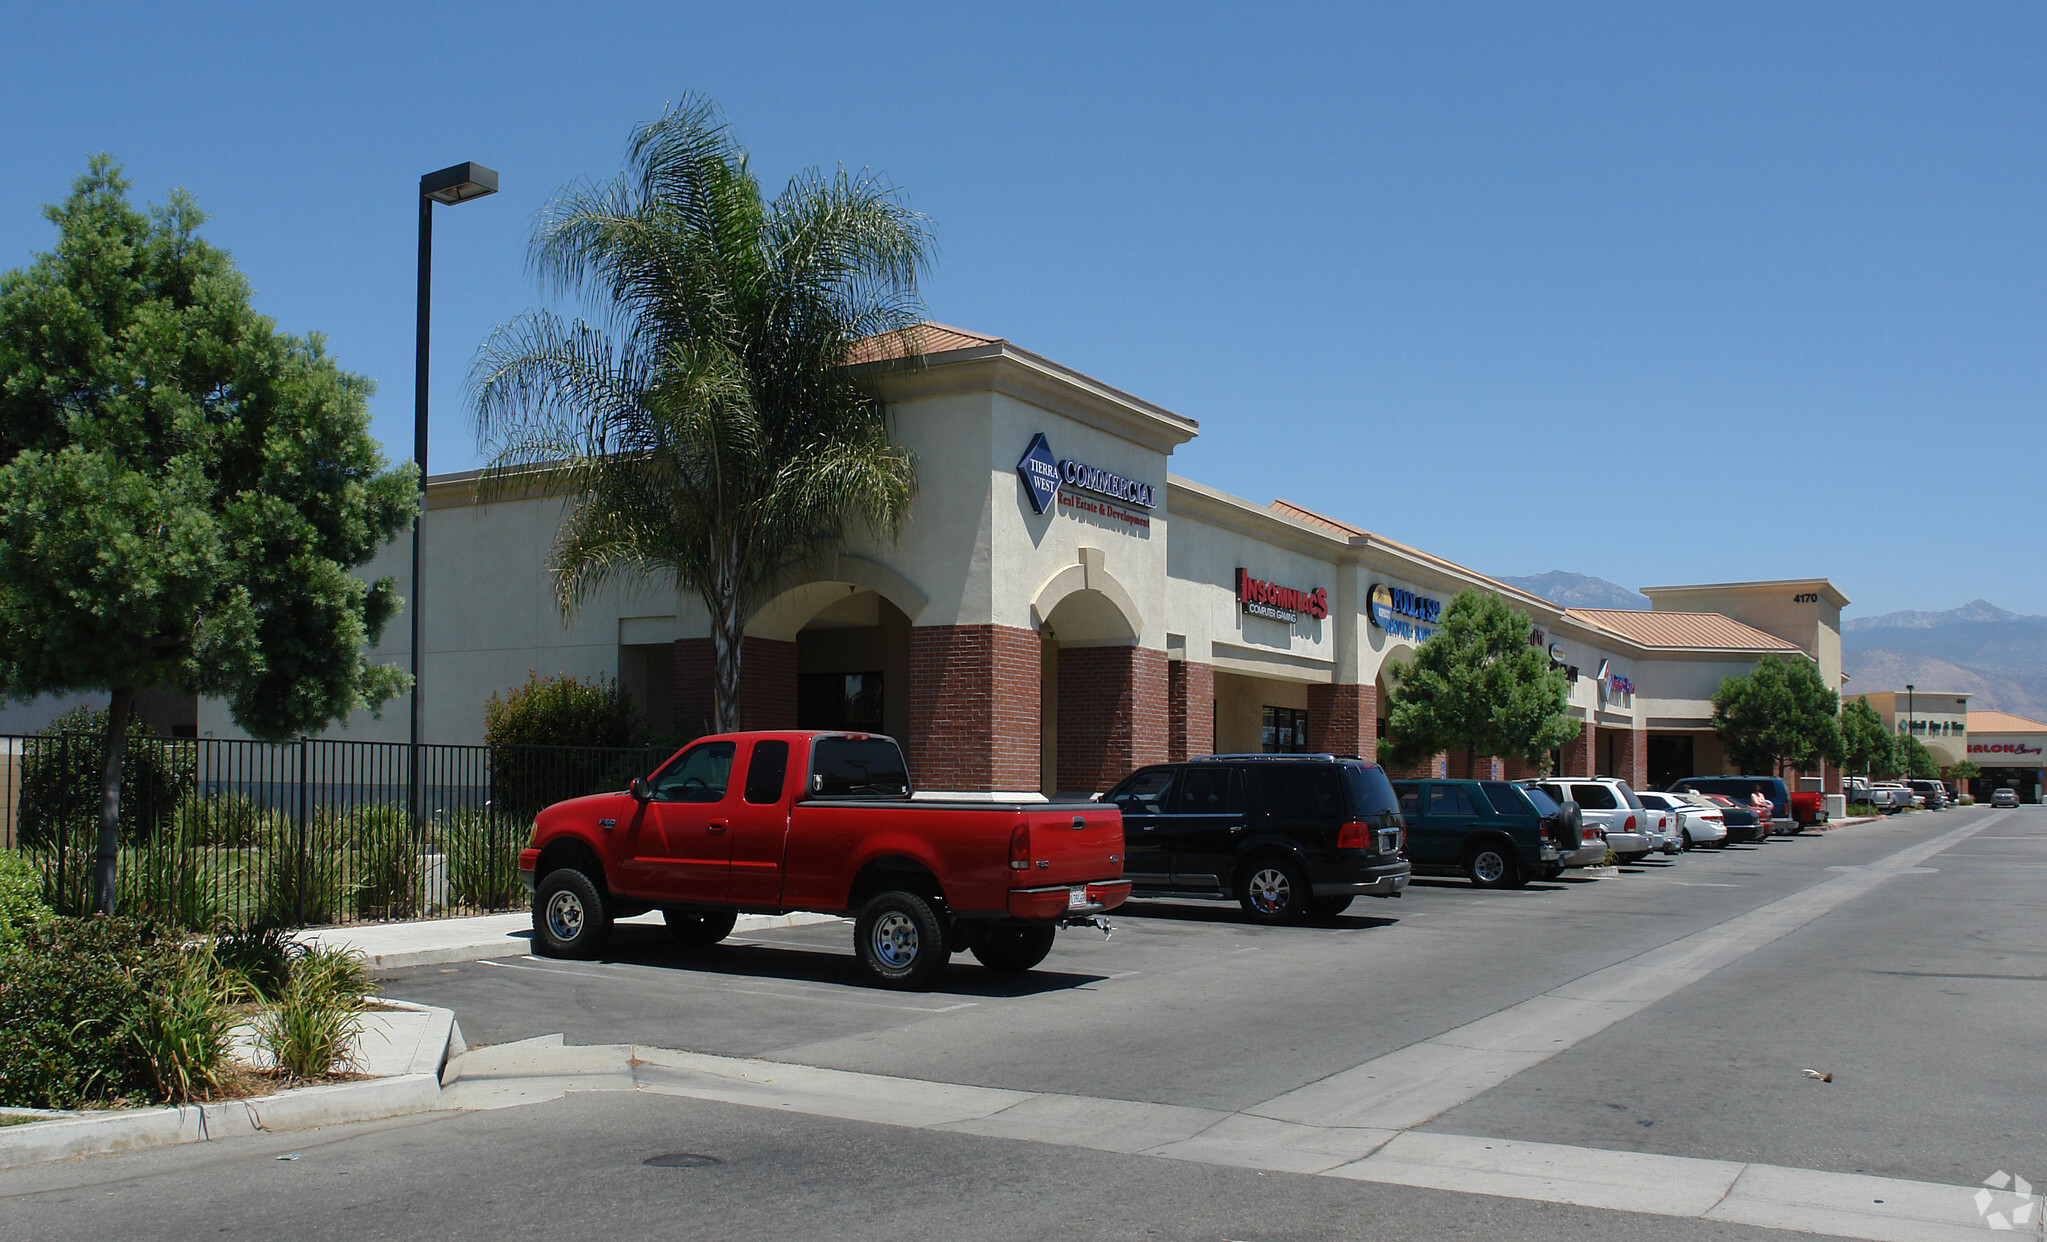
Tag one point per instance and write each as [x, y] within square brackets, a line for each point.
[1278, 603]
[1402, 612]
[1809, 597]
[1559, 664]
[1043, 475]
[1612, 683]
[2002, 748]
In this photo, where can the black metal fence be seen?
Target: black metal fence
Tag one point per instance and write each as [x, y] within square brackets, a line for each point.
[226, 833]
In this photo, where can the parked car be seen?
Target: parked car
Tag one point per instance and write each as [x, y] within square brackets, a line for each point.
[1591, 850]
[1790, 813]
[1488, 831]
[1290, 837]
[1610, 806]
[2004, 797]
[1740, 819]
[1933, 792]
[1695, 824]
[1892, 796]
[775, 822]
[1711, 812]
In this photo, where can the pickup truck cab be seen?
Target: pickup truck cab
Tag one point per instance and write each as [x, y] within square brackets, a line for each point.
[768, 823]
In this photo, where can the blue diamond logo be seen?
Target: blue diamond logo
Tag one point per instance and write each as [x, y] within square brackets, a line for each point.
[1039, 471]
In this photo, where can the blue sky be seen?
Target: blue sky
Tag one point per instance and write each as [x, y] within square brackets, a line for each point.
[1659, 294]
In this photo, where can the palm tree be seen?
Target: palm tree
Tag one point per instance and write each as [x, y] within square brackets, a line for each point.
[710, 430]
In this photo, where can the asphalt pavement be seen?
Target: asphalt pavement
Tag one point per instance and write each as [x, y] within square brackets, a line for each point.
[1670, 1012]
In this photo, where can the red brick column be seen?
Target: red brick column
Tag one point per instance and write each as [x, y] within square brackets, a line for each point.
[1435, 767]
[1344, 720]
[767, 686]
[1190, 710]
[1523, 770]
[1112, 714]
[1581, 757]
[1631, 758]
[974, 708]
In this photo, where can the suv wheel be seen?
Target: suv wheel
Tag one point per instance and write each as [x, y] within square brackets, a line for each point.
[569, 916]
[1490, 866]
[900, 941]
[1274, 889]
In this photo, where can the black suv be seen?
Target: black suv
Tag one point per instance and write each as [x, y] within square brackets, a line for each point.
[1497, 834]
[1291, 837]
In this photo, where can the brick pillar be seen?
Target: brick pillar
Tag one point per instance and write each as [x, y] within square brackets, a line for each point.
[1112, 714]
[1344, 720]
[1581, 757]
[1631, 758]
[1523, 770]
[767, 686]
[1190, 710]
[1487, 768]
[693, 694]
[974, 708]
[1830, 777]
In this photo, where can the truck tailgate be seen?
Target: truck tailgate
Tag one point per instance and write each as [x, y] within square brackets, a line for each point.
[1072, 844]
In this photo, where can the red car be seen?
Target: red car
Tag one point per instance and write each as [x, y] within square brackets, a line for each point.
[767, 823]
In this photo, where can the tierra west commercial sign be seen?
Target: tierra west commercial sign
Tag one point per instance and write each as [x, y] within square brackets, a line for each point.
[1278, 603]
[1047, 478]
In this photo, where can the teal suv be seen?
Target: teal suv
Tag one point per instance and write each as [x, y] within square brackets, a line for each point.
[1490, 832]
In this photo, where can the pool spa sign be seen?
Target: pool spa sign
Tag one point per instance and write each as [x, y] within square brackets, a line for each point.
[1278, 603]
[1402, 613]
[1044, 475]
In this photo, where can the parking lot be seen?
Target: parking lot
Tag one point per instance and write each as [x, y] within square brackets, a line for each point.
[1911, 990]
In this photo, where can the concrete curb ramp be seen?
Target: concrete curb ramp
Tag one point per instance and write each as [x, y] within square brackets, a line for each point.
[408, 1046]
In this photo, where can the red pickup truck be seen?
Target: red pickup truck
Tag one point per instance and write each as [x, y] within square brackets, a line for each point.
[766, 823]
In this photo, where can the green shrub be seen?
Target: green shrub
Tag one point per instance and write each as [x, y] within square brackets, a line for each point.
[21, 898]
[386, 870]
[69, 1003]
[178, 884]
[562, 711]
[261, 957]
[311, 1030]
[229, 819]
[60, 779]
[301, 884]
[483, 861]
[180, 1030]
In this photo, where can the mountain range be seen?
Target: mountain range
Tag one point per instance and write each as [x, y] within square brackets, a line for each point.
[1997, 657]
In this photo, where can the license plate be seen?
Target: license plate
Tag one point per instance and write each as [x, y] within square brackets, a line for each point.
[1076, 897]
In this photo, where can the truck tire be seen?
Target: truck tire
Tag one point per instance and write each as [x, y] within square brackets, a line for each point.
[1274, 889]
[569, 916]
[698, 931]
[1328, 907]
[1013, 950]
[1490, 865]
[900, 941]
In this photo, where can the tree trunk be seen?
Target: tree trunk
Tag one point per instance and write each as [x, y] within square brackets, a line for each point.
[110, 799]
[1470, 761]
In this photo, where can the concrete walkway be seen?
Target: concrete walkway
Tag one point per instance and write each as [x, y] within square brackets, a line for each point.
[432, 942]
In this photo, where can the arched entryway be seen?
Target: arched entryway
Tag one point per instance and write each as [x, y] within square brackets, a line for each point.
[1102, 695]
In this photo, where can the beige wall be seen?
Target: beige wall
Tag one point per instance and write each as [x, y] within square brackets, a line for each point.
[1805, 612]
[1240, 704]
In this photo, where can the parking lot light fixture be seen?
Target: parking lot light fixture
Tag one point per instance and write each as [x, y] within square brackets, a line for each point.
[458, 183]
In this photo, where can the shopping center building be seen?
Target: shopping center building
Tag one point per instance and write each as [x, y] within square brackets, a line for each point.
[1061, 608]
[2011, 752]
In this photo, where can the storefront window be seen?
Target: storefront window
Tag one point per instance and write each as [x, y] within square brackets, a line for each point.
[1286, 731]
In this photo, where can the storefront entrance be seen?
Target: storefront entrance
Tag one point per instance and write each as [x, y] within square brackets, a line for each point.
[2026, 782]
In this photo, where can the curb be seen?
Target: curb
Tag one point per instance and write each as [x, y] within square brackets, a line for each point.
[418, 1090]
[502, 944]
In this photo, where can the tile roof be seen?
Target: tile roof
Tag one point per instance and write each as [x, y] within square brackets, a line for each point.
[1681, 629]
[929, 338]
[2003, 722]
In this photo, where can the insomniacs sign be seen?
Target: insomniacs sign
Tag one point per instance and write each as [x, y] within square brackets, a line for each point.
[1264, 599]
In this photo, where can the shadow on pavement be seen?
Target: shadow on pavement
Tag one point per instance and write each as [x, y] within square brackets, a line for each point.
[650, 947]
[1230, 912]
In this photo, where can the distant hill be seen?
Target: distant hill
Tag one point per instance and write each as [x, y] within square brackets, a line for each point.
[1578, 590]
[1976, 610]
[1998, 657]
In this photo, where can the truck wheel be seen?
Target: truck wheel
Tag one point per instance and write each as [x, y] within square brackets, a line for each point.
[900, 940]
[1274, 890]
[569, 917]
[1013, 950]
[698, 931]
[1489, 866]
[1328, 907]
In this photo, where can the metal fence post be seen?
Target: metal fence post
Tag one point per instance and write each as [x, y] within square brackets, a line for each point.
[304, 859]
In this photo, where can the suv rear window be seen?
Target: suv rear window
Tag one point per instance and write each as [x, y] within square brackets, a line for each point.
[854, 766]
[1506, 799]
[1594, 797]
[1302, 789]
[1544, 805]
[1371, 794]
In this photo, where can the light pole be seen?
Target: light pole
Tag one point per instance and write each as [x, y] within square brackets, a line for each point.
[456, 184]
[1911, 728]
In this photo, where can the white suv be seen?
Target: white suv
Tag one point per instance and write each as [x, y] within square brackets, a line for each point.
[1632, 830]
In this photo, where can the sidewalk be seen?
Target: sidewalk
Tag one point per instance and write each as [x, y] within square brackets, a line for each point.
[435, 942]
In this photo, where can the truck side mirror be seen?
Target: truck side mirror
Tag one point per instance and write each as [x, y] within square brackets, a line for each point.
[640, 790]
